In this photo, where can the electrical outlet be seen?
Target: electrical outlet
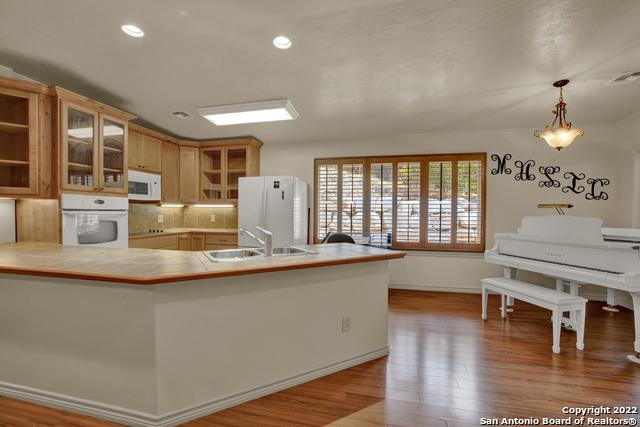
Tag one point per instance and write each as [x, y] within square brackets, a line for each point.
[212, 218]
[160, 219]
[346, 323]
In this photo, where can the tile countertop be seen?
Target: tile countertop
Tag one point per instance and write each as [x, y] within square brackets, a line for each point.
[150, 266]
[170, 231]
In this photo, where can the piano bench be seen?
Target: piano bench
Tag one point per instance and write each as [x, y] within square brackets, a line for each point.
[557, 302]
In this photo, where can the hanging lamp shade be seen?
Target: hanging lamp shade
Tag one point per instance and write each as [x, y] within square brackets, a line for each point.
[563, 135]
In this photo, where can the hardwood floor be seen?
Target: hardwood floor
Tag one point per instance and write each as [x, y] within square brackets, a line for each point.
[446, 368]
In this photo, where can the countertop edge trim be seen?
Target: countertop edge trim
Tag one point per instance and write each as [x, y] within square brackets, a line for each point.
[156, 280]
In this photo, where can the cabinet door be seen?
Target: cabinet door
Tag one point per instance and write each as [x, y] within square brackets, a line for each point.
[79, 145]
[184, 243]
[150, 154]
[134, 149]
[18, 142]
[189, 174]
[170, 172]
[236, 167]
[212, 174]
[113, 155]
[197, 242]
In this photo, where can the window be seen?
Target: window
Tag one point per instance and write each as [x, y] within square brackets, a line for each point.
[430, 202]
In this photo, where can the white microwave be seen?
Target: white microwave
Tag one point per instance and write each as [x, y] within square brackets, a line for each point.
[144, 185]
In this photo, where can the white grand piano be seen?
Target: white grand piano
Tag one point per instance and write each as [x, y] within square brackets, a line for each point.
[575, 251]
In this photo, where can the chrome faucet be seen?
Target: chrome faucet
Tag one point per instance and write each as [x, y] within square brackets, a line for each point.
[267, 243]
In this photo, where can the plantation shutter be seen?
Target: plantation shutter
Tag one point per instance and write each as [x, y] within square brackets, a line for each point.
[326, 199]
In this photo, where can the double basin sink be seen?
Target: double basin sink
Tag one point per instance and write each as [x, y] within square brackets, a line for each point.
[243, 254]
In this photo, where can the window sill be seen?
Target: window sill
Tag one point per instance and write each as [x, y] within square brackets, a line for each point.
[442, 254]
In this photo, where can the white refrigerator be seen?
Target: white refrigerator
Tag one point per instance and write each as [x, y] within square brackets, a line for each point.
[277, 203]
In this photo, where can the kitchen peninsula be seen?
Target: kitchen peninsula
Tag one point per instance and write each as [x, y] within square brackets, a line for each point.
[154, 338]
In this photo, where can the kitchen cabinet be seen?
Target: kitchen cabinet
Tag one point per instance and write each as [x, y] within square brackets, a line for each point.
[145, 152]
[170, 172]
[18, 141]
[189, 172]
[170, 242]
[184, 242]
[94, 149]
[221, 166]
[93, 141]
[187, 241]
[197, 242]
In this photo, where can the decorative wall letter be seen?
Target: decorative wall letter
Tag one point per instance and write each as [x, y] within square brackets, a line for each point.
[525, 170]
[501, 164]
[594, 182]
[574, 187]
[550, 182]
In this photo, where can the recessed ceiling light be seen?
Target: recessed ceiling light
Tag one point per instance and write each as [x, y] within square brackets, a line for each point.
[252, 112]
[282, 42]
[132, 30]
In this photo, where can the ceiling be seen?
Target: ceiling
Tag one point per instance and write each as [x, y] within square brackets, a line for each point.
[357, 68]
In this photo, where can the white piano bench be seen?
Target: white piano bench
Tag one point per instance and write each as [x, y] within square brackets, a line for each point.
[557, 302]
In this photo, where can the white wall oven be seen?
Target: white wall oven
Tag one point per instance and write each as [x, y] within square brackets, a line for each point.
[90, 221]
[144, 186]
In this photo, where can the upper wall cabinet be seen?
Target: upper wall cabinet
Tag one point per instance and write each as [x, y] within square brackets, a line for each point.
[18, 140]
[222, 163]
[93, 145]
[170, 172]
[145, 152]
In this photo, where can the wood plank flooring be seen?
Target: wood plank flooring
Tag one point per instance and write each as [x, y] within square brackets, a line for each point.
[446, 368]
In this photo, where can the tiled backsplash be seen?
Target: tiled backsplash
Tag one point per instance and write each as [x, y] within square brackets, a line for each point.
[143, 216]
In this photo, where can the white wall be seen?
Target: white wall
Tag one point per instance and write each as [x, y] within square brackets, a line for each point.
[598, 153]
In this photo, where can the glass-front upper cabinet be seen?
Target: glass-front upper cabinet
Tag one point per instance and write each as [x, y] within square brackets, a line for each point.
[212, 174]
[236, 160]
[113, 151]
[79, 148]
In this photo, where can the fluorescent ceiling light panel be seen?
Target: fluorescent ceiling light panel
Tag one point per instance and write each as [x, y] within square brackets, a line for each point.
[252, 112]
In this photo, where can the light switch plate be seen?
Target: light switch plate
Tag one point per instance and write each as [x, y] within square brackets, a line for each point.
[212, 218]
[346, 324]
[160, 219]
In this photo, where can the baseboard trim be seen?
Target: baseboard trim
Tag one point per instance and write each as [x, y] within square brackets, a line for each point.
[140, 419]
[435, 288]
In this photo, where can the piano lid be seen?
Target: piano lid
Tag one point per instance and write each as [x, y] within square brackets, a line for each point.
[621, 234]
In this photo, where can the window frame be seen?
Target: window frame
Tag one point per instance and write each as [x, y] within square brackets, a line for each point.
[424, 161]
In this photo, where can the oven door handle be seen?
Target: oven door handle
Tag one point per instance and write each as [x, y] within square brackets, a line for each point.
[111, 214]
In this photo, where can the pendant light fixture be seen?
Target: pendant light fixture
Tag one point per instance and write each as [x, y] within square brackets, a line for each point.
[564, 134]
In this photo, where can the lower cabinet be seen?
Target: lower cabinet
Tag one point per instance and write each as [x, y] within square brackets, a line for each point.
[186, 242]
[197, 242]
[155, 242]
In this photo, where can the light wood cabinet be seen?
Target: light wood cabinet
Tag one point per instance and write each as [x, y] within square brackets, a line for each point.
[170, 172]
[189, 173]
[184, 242]
[145, 152]
[18, 141]
[94, 150]
[223, 164]
[93, 145]
[197, 242]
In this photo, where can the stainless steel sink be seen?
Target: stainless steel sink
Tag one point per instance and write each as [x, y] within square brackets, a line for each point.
[249, 253]
[290, 250]
[233, 254]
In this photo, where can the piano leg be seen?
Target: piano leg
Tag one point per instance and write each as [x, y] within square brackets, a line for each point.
[611, 301]
[635, 296]
[509, 273]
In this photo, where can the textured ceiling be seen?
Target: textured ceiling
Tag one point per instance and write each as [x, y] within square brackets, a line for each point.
[357, 68]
